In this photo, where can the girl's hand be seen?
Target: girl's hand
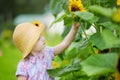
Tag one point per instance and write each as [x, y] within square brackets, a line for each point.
[76, 25]
[20, 77]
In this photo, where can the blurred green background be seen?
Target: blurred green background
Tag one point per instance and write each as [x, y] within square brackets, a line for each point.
[10, 10]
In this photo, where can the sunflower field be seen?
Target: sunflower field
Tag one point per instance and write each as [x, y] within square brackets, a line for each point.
[95, 52]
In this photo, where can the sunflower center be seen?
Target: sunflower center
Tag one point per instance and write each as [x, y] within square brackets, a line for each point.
[75, 8]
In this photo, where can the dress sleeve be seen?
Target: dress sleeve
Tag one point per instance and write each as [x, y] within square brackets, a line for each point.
[49, 56]
[51, 52]
[21, 69]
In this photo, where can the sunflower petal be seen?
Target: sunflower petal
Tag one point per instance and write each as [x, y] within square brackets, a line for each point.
[75, 5]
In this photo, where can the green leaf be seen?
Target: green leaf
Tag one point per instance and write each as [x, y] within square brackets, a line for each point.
[85, 53]
[67, 77]
[109, 25]
[58, 19]
[65, 6]
[100, 64]
[78, 50]
[68, 20]
[66, 31]
[104, 40]
[72, 46]
[95, 19]
[105, 3]
[72, 54]
[101, 10]
[56, 7]
[63, 71]
[87, 16]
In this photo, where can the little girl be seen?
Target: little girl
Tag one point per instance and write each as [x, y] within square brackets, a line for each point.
[37, 58]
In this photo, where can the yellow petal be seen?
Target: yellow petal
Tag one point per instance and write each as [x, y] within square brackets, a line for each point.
[118, 2]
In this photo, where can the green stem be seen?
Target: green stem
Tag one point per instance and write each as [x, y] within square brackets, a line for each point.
[87, 38]
[95, 26]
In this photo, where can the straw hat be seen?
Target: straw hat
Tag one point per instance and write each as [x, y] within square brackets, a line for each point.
[26, 35]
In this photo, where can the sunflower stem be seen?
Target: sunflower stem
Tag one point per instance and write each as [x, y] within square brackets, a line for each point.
[87, 37]
[95, 26]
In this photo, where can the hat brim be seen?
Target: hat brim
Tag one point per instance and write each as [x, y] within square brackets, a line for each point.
[33, 41]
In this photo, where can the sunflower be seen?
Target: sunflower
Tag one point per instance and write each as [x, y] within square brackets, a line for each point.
[76, 5]
[118, 2]
[55, 64]
[116, 16]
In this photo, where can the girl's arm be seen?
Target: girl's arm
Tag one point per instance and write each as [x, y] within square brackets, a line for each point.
[67, 40]
[22, 77]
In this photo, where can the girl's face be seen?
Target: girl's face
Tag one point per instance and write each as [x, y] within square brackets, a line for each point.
[40, 45]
